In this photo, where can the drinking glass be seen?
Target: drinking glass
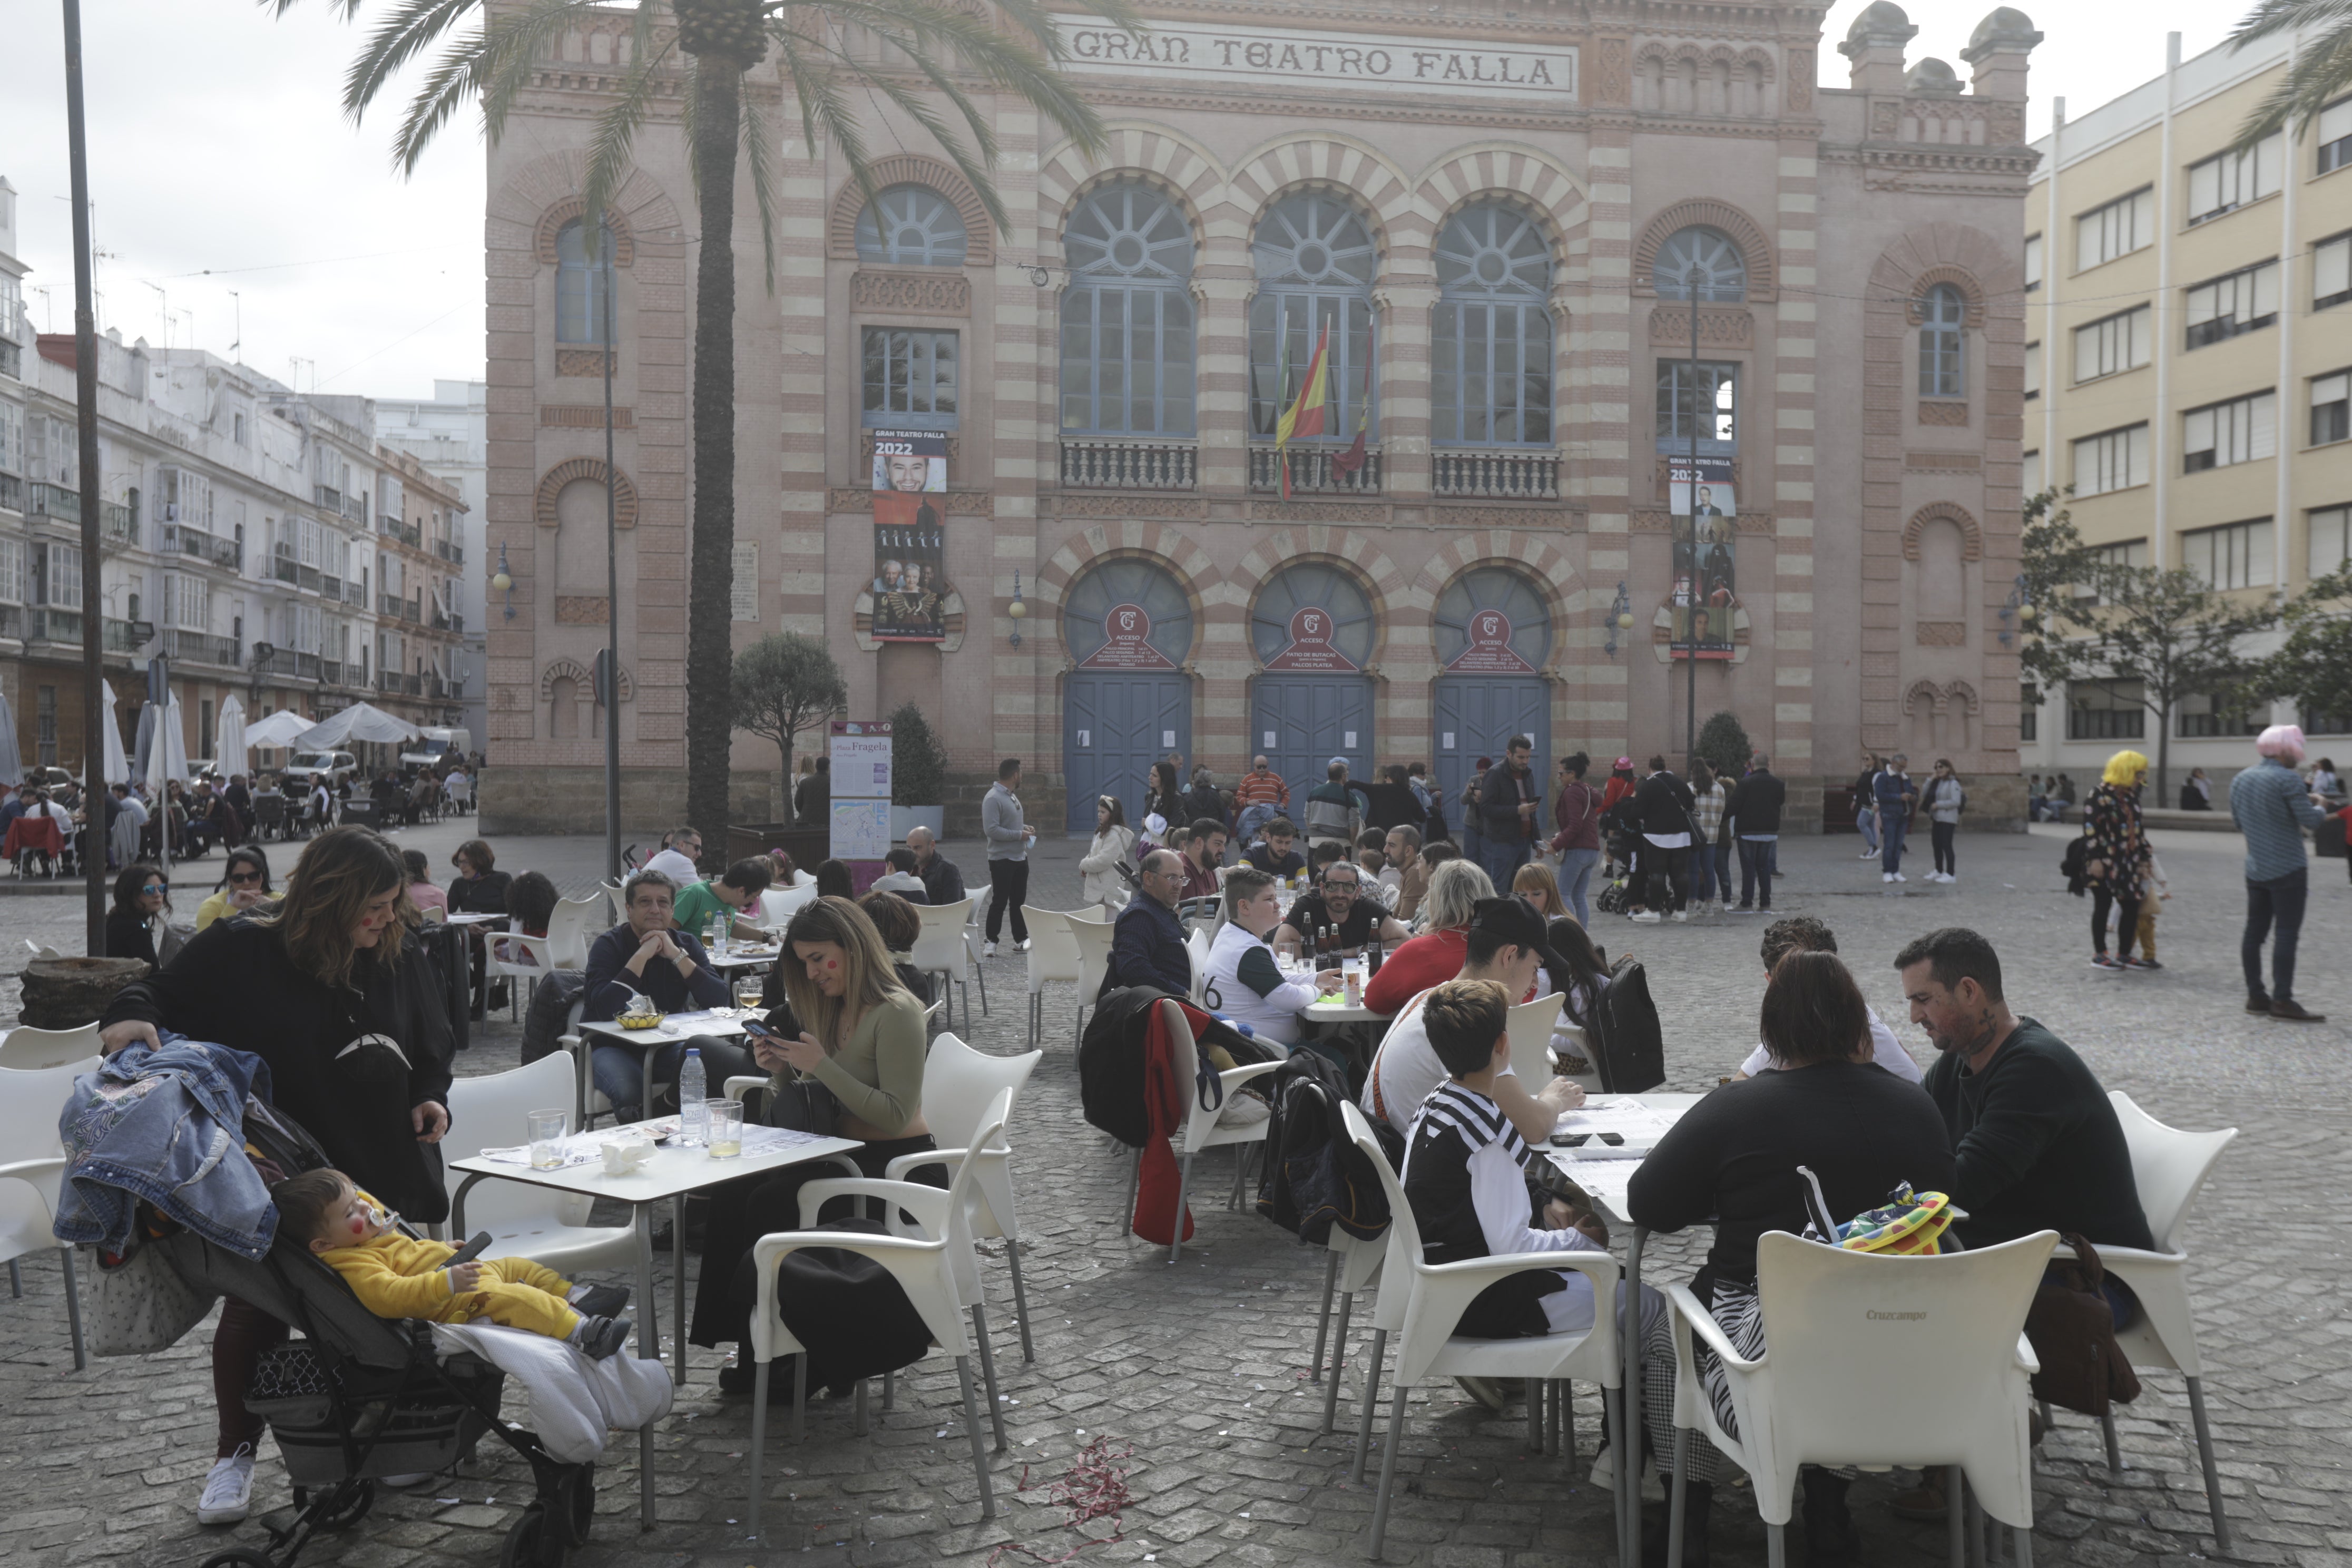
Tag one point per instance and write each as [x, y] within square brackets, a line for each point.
[547, 1129]
[725, 1129]
[748, 991]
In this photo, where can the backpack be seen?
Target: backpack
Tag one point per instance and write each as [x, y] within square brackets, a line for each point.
[1629, 1048]
[2075, 864]
[1315, 1177]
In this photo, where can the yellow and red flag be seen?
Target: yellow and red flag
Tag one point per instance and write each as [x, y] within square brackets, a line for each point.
[1304, 416]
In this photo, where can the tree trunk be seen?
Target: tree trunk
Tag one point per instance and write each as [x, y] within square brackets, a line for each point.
[709, 635]
[66, 993]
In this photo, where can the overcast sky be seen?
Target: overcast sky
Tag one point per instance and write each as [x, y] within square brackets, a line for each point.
[220, 162]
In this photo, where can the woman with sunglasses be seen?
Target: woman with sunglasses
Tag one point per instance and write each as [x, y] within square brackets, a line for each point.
[140, 894]
[245, 882]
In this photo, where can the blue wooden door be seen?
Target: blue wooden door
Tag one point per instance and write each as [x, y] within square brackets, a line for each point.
[1114, 727]
[1312, 719]
[1493, 634]
[1476, 715]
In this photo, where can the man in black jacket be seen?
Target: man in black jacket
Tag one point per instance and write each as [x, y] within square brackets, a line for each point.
[1755, 817]
[1148, 944]
[1509, 797]
[1663, 805]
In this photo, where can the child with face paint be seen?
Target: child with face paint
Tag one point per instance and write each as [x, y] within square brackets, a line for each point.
[398, 1276]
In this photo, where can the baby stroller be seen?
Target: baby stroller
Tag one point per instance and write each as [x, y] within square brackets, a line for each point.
[357, 1396]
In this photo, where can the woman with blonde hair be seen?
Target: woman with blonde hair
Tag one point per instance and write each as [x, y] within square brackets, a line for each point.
[1113, 846]
[353, 1027]
[1436, 955]
[1535, 882]
[2114, 858]
[845, 1023]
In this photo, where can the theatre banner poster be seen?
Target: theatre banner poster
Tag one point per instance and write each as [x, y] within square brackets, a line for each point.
[1706, 563]
[910, 486]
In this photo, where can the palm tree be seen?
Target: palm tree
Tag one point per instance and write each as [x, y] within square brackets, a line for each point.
[950, 49]
[2322, 69]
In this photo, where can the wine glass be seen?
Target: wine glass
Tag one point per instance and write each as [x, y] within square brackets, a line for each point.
[748, 992]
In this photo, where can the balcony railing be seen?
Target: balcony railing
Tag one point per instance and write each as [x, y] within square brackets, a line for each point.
[331, 585]
[282, 661]
[1497, 474]
[127, 636]
[12, 621]
[181, 540]
[12, 494]
[306, 665]
[410, 611]
[117, 524]
[387, 680]
[282, 568]
[1313, 471]
[1115, 465]
[456, 621]
[355, 594]
[389, 605]
[308, 577]
[331, 672]
[44, 624]
[202, 647]
[440, 622]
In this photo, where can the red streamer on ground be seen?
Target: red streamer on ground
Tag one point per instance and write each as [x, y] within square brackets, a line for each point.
[1092, 1488]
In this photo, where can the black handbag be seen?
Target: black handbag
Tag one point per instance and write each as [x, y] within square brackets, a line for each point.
[803, 1105]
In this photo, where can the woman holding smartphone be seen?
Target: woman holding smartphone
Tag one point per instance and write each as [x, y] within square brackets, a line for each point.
[846, 1021]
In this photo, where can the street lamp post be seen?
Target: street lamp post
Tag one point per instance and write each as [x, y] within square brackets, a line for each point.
[611, 695]
[1690, 606]
[93, 626]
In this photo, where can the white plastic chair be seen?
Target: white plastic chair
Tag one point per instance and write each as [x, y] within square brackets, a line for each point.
[1094, 939]
[1529, 1031]
[1873, 1360]
[940, 950]
[1201, 1129]
[570, 929]
[41, 949]
[778, 905]
[28, 1049]
[1053, 956]
[523, 1220]
[524, 959]
[32, 1168]
[937, 1268]
[1420, 1303]
[974, 948]
[959, 1083]
[1196, 953]
[2169, 1166]
[1352, 1264]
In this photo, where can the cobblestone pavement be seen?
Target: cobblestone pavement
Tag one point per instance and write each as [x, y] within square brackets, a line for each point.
[1200, 1367]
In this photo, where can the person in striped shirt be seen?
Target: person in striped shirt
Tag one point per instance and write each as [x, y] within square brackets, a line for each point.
[1258, 799]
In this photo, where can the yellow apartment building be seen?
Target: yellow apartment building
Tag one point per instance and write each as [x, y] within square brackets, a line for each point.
[2188, 367]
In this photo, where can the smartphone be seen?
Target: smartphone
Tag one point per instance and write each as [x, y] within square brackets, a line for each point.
[1569, 1139]
[753, 1026]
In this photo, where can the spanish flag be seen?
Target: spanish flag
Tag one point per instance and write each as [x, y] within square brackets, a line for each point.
[1305, 416]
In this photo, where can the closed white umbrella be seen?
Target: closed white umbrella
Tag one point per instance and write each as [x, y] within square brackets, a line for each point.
[175, 745]
[111, 758]
[11, 761]
[228, 749]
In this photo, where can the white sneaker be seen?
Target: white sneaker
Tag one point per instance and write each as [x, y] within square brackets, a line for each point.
[1647, 917]
[1901, 878]
[1024, 944]
[1683, 915]
[229, 1489]
[1886, 875]
[989, 951]
[1870, 855]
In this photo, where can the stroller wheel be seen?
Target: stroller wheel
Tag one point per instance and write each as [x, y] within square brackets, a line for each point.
[575, 1499]
[535, 1541]
[350, 1505]
[239, 1558]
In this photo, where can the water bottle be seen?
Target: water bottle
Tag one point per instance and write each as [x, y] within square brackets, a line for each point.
[693, 1109]
[714, 936]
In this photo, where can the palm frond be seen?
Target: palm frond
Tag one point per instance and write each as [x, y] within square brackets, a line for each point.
[617, 127]
[278, 8]
[974, 169]
[2317, 79]
[2270, 17]
[756, 164]
[825, 114]
[413, 26]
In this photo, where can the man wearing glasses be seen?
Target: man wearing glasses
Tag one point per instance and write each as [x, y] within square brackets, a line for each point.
[676, 859]
[1147, 944]
[1339, 903]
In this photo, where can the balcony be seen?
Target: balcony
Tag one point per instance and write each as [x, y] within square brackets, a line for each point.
[387, 682]
[12, 621]
[44, 624]
[12, 494]
[117, 524]
[178, 539]
[411, 612]
[389, 605]
[1312, 471]
[127, 636]
[330, 498]
[282, 661]
[440, 622]
[1497, 474]
[331, 672]
[202, 647]
[12, 358]
[308, 577]
[1116, 465]
[307, 666]
[457, 622]
[331, 586]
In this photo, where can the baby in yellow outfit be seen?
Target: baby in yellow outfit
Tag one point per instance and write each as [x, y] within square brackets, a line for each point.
[399, 1276]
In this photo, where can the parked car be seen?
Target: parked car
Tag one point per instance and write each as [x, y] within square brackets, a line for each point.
[335, 767]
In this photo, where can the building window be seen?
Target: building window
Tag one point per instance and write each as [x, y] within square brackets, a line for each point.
[2331, 272]
[1700, 398]
[580, 279]
[2227, 181]
[910, 378]
[2199, 717]
[2236, 555]
[2242, 430]
[2105, 711]
[2331, 539]
[205, 728]
[2333, 135]
[2114, 460]
[1127, 319]
[2032, 262]
[2242, 301]
[2331, 407]
[1722, 272]
[2119, 342]
[45, 725]
[12, 439]
[1314, 262]
[1490, 349]
[61, 583]
[1943, 346]
[2029, 711]
[2034, 370]
[2031, 474]
[911, 226]
[12, 570]
[2123, 226]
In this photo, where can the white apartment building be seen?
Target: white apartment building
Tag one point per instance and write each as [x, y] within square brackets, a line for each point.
[448, 433]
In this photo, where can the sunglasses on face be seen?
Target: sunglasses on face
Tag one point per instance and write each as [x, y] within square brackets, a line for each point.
[245, 876]
[156, 888]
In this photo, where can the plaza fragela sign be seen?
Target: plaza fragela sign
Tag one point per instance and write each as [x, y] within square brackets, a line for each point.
[1205, 51]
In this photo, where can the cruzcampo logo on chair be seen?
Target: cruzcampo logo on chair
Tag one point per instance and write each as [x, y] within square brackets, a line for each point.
[1907, 1224]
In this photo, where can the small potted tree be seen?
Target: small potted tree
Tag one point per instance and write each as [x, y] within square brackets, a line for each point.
[784, 687]
[918, 774]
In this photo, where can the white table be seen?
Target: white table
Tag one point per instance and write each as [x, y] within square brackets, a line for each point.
[668, 1173]
[741, 955]
[674, 1028]
[1604, 1172]
[474, 920]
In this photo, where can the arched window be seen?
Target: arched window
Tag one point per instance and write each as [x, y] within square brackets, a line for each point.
[1722, 274]
[1126, 320]
[1943, 349]
[564, 709]
[1490, 346]
[580, 279]
[911, 226]
[1315, 264]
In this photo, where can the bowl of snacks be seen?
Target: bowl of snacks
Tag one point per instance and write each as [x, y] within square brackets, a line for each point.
[639, 1014]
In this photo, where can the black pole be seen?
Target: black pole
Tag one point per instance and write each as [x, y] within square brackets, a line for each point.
[93, 626]
[611, 695]
[1690, 717]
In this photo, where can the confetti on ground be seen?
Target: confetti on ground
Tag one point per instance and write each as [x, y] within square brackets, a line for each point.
[1093, 1487]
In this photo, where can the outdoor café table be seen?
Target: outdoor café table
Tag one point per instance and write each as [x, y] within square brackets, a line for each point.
[1606, 1173]
[474, 926]
[739, 955]
[723, 1022]
[668, 1173]
[34, 836]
